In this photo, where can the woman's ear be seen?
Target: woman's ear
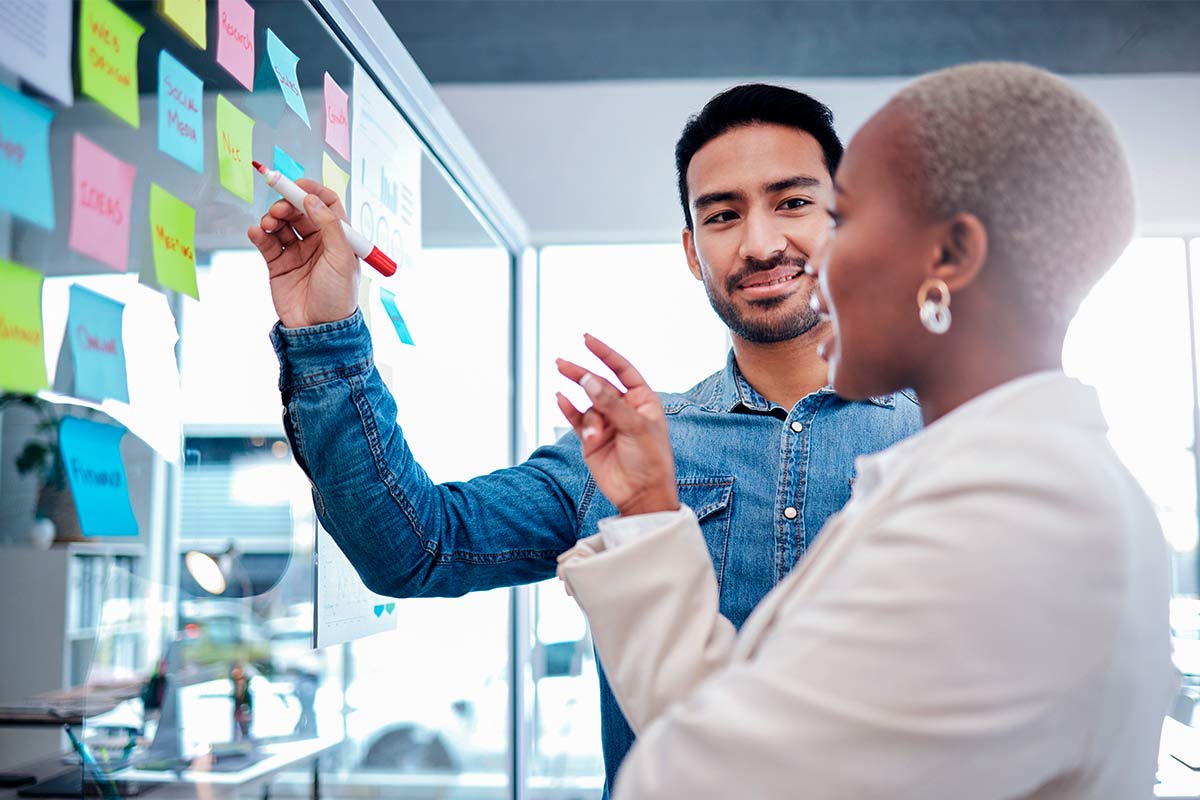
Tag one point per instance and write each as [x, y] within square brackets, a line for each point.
[962, 251]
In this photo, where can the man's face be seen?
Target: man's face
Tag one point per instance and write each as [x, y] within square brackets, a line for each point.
[758, 195]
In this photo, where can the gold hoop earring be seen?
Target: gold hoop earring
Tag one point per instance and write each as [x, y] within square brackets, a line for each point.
[935, 314]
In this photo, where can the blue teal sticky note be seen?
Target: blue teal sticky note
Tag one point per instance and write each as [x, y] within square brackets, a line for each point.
[288, 165]
[25, 186]
[180, 112]
[389, 305]
[91, 456]
[97, 347]
[283, 64]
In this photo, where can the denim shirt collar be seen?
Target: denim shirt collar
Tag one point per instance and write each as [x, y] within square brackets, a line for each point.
[732, 390]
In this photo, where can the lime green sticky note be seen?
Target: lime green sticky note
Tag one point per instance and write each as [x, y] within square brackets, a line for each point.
[22, 363]
[189, 17]
[235, 136]
[173, 234]
[108, 48]
[334, 177]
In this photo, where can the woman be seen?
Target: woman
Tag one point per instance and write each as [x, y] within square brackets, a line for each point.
[987, 617]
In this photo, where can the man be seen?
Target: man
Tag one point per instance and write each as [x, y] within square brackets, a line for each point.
[765, 451]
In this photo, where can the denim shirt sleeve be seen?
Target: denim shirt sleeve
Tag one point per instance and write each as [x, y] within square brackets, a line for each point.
[407, 536]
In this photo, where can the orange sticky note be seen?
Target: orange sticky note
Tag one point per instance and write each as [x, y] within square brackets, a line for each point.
[337, 118]
[100, 204]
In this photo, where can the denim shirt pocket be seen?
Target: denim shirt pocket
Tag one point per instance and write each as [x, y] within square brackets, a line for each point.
[711, 498]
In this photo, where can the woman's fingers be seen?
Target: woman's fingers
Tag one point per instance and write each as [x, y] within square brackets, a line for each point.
[626, 373]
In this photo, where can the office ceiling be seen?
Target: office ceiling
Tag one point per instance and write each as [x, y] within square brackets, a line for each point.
[500, 41]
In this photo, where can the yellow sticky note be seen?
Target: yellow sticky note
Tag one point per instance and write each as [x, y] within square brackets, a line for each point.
[189, 17]
[173, 234]
[108, 48]
[235, 138]
[334, 177]
[22, 363]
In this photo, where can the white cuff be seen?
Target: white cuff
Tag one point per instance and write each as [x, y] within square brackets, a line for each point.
[616, 531]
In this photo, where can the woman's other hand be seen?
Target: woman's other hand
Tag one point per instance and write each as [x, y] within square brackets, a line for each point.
[624, 435]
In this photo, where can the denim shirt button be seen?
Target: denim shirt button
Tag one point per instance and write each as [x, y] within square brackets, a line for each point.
[797, 427]
[790, 512]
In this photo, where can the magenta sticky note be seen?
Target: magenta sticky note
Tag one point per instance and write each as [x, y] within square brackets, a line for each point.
[337, 118]
[235, 40]
[102, 191]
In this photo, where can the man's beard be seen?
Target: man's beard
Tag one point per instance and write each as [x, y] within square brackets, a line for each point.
[758, 325]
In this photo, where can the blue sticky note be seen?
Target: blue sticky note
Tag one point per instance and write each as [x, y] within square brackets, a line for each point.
[97, 349]
[283, 63]
[25, 186]
[180, 112]
[288, 165]
[389, 305]
[91, 455]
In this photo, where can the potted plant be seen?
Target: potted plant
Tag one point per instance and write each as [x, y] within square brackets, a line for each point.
[40, 456]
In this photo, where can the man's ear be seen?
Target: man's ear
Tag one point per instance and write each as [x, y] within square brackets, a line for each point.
[962, 251]
[689, 250]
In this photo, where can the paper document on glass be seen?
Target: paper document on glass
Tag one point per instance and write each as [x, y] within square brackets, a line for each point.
[35, 43]
[344, 608]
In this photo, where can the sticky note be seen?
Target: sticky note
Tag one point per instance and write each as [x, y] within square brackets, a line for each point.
[108, 48]
[389, 305]
[180, 112]
[337, 118]
[288, 165]
[25, 185]
[235, 40]
[22, 359]
[102, 186]
[189, 17]
[91, 454]
[283, 63]
[97, 346]
[173, 238]
[235, 136]
[334, 177]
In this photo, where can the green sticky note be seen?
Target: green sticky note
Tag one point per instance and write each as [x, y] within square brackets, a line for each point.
[22, 359]
[235, 136]
[108, 48]
[189, 17]
[173, 233]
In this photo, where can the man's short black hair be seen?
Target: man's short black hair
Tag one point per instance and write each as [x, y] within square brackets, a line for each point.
[749, 104]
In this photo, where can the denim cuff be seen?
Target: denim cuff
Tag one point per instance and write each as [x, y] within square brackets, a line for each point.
[320, 353]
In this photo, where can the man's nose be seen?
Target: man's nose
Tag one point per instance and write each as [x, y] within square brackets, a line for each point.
[763, 238]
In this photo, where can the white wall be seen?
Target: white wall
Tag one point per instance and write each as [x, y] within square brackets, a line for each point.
[593, 162]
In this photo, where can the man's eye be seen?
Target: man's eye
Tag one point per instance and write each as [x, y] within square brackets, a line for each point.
[796, 203]
[723, 216]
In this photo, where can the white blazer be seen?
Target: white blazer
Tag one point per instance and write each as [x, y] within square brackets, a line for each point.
[987, 618]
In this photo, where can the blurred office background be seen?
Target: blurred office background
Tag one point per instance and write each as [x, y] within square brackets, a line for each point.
[573, 109]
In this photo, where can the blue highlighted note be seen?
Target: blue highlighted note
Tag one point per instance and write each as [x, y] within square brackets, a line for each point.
[283, 62]
[389, 305]
[91, 455]
[97, 347]
[288, 165]
[180, 112]
[25, 186]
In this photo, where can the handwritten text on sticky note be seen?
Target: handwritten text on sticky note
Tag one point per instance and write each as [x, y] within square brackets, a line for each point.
[26, 188]
[180, 112]
[283, 64]
[108, 47]
[173, 234]
[100, 204]
[235, 40]
[337, 118]
[94, 324]
[22, 359]
[91, 453]
[235, 138]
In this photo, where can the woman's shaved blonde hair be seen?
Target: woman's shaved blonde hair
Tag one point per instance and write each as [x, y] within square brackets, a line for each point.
[1038, 163]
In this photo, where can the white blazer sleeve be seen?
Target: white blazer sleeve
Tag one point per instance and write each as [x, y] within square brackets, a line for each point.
[653, 607]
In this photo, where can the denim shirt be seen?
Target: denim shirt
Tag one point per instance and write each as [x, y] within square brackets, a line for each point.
[761, 478]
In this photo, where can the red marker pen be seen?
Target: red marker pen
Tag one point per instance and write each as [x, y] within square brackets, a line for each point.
[295, 195]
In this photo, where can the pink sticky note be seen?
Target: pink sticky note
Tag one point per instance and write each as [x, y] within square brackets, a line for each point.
[100, 204]
[337, 118]
[235, 40]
